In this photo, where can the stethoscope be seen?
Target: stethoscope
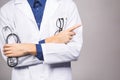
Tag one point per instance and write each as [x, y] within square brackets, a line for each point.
[11, 61]
[60, 24]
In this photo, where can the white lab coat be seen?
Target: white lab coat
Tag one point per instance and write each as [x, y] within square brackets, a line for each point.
[17, 14]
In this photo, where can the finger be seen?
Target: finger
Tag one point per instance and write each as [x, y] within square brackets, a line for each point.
[10, 55]
[6, 49]
[6, 45]
[74, 27]
[7, 53]
[71, 33]
[70, 37]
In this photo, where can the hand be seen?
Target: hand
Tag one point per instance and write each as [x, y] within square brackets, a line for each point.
[64, 36]
[17, 50]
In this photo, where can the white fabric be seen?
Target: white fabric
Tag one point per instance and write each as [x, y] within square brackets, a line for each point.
[57, 57]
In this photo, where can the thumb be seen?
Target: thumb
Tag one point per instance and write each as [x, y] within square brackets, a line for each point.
[74, 27]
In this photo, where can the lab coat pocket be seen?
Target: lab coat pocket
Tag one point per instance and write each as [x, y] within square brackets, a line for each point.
[57, 24]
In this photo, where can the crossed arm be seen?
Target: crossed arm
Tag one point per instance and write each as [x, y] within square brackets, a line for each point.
[22, 49]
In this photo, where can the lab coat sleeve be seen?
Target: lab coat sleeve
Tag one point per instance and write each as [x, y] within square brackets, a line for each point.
[59, 53]
[22, 61]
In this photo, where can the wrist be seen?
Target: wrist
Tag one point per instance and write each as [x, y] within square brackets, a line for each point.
[50, 40]
[31, 49]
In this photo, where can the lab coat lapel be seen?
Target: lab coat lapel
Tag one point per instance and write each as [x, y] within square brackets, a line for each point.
[24, 7]
[51, 7]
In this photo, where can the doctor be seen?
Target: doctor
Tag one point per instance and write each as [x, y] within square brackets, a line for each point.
[50, 34]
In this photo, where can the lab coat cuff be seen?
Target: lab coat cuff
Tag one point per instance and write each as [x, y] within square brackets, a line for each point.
[39, 52]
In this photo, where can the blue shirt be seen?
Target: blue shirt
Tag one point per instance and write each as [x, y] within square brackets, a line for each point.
[38, 10]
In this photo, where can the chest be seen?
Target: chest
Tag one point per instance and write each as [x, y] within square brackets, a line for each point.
[26, 26]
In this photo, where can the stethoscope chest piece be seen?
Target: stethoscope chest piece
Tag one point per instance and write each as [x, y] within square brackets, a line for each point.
[12, 62]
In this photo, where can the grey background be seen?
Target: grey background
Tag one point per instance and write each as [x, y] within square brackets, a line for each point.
[100, 55]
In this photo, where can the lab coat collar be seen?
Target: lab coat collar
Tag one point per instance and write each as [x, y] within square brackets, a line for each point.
[25, 8]
[22, 1]
[50, 8]
[19, 1]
